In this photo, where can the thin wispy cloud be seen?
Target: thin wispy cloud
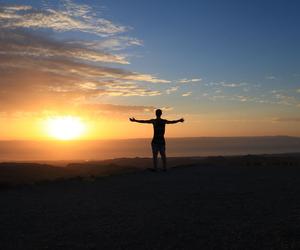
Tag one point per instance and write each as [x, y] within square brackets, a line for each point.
[56, 72]
[217, 97]
[167, 108]
[277, 91]
[228, 84]
[242, 98]
[285, 99]
[94, 110]
[112, 43]
[234, 85]
[192, 80]
[72, 17]
[172, 90]
[27, 44]
[253, 94]
[144, 78]
[187, 94]
[104, 108]
[271, 77]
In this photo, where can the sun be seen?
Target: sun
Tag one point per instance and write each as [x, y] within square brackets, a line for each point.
[65, 127]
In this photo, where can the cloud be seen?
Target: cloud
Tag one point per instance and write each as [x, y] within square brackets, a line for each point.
[131, 92]
[243, 98]
[28, 84]
[285, 99]
[167, 108]
[277, 91]
[233, 85]
[298, 90]
[217, 97]
[104, 108]
[91, 110]
[112, 43]
[228, 84]
[271, 77]
[71, 17]
[186, 94]
[171, 90]
[185, 80]
[144, 78]
[250, 93]
[27, 44]
[39, 72]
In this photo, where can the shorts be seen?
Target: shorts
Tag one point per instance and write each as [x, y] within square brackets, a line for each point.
[161, 148]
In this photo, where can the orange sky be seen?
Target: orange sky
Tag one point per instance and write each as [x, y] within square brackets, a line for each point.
[70, 60]
[106, 128]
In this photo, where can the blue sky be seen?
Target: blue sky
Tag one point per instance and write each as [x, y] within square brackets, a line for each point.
[228, 60]
[230, 39]
[256, 42]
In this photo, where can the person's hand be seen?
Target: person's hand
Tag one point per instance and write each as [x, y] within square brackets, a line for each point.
[181, 120]
[132, 119]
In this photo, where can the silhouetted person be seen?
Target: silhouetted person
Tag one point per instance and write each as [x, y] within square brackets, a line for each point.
[158, 142]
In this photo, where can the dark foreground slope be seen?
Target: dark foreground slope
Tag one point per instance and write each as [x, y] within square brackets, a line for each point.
[14, 174]
[207, 206]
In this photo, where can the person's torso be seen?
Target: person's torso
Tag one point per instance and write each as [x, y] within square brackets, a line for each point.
[159, 131]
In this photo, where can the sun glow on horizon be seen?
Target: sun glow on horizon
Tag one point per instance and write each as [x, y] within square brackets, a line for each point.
[65, 127]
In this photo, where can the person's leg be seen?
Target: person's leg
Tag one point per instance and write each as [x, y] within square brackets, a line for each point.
[163, 157]
[154, 153]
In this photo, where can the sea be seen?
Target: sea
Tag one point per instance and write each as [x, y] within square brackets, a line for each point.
[131, 148]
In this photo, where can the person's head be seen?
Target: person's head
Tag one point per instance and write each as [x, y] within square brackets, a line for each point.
[158, 113]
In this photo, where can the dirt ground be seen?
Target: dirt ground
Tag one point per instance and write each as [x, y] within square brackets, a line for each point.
[199, 207]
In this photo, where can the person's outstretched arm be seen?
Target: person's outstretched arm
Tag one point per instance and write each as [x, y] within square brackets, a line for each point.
[174, 121]
[140, 121]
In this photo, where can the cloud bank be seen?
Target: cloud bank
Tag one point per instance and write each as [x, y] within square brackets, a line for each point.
[42, 70]
[72, 17]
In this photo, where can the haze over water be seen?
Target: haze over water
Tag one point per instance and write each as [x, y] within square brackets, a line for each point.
[106, 149]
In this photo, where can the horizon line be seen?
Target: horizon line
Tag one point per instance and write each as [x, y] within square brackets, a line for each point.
[143, 138]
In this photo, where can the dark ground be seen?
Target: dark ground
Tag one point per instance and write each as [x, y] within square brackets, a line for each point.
[192, 207]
